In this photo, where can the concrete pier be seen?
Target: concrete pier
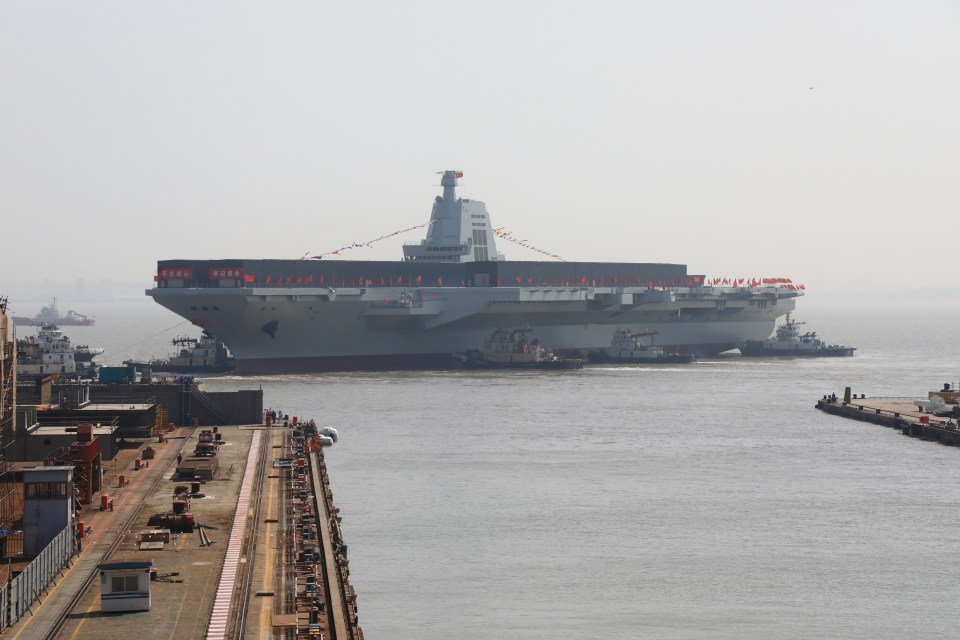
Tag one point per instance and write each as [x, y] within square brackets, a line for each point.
[896, 413]
[263, 523]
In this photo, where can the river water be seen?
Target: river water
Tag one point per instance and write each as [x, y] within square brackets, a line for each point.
[690, 501]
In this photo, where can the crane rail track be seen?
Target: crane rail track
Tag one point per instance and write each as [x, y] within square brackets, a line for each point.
[75, 599]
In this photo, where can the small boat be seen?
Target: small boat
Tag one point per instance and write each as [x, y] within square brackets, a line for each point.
[514, 349]
[50, 315]
[84, 354]
[788, 341]
[626, 347]
[205, 354]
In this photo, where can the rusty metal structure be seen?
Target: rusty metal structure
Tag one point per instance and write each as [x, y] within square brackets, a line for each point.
[160, 423]
[10, 507]
[85, 457]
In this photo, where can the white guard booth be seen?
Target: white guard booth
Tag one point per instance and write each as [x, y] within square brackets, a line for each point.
[125, 586]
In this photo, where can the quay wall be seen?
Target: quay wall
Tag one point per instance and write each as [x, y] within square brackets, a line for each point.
[235, 407]
[861, 412]
[909, 423]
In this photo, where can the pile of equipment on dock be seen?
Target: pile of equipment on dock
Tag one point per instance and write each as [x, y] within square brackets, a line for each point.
[209, 443]
[311, 614]
[928, 419]
[180, 519]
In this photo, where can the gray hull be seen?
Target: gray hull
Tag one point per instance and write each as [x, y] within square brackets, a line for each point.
[282, 330]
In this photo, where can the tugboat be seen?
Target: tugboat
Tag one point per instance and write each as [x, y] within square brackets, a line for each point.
[513, 349]
[50, 352]
[84, 354]
[788, 341]
[627, 348]
[205, 354]
[50, 315]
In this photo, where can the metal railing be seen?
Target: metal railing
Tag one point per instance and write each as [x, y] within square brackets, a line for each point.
[70, 424]
[4, 600]
[21, 592]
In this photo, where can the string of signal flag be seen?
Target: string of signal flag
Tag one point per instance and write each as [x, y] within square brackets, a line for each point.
[499, 232]
[753, 283]
[358, 245]
[503, 234]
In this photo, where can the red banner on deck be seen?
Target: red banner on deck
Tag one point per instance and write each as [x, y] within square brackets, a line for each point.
[230, 273]
[179, 273]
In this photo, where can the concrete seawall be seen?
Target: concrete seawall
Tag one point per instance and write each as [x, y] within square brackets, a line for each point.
[896, 413]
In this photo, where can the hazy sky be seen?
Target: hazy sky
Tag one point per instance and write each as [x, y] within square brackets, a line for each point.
[815, 140]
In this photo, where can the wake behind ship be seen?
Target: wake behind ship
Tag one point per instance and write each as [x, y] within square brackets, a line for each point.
[447, 294]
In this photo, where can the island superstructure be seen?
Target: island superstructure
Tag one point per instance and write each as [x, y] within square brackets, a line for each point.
[451, 289]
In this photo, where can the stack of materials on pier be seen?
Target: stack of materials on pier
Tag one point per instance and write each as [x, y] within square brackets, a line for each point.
[179, 520]
[929, 419]
[153, 539]
[203, 467]
[943, 404]
[321, 605]
[311, 597]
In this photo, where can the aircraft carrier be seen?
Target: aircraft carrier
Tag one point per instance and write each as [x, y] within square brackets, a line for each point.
[450, 291]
